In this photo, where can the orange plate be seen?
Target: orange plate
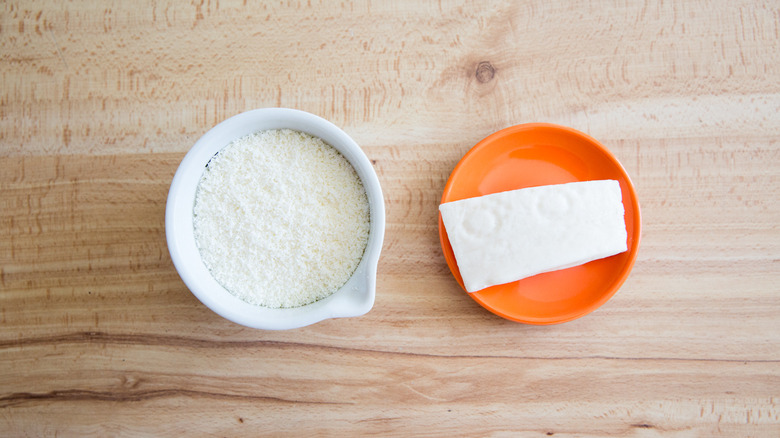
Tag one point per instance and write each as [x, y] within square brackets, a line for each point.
[534, 155]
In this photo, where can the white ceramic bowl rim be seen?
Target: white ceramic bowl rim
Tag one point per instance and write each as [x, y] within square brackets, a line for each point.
[355, 298]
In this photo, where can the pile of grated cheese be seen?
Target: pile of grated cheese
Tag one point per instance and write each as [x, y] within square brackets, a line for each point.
[281, 218]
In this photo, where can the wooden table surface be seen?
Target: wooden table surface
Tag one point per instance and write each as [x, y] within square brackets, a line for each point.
[101, 100]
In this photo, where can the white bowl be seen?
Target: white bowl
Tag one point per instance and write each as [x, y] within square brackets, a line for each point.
[355, 298]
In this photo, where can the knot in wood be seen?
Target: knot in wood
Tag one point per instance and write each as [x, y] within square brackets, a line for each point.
[485, 72]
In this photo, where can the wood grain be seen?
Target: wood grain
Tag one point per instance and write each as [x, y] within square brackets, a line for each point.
[100, 101]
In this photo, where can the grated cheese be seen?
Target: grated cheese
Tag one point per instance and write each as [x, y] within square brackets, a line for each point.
[281, 218]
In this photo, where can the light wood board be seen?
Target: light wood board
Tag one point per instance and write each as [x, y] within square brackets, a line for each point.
[101, 100]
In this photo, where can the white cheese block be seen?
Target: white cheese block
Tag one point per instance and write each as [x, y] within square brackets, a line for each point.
[504, 237]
